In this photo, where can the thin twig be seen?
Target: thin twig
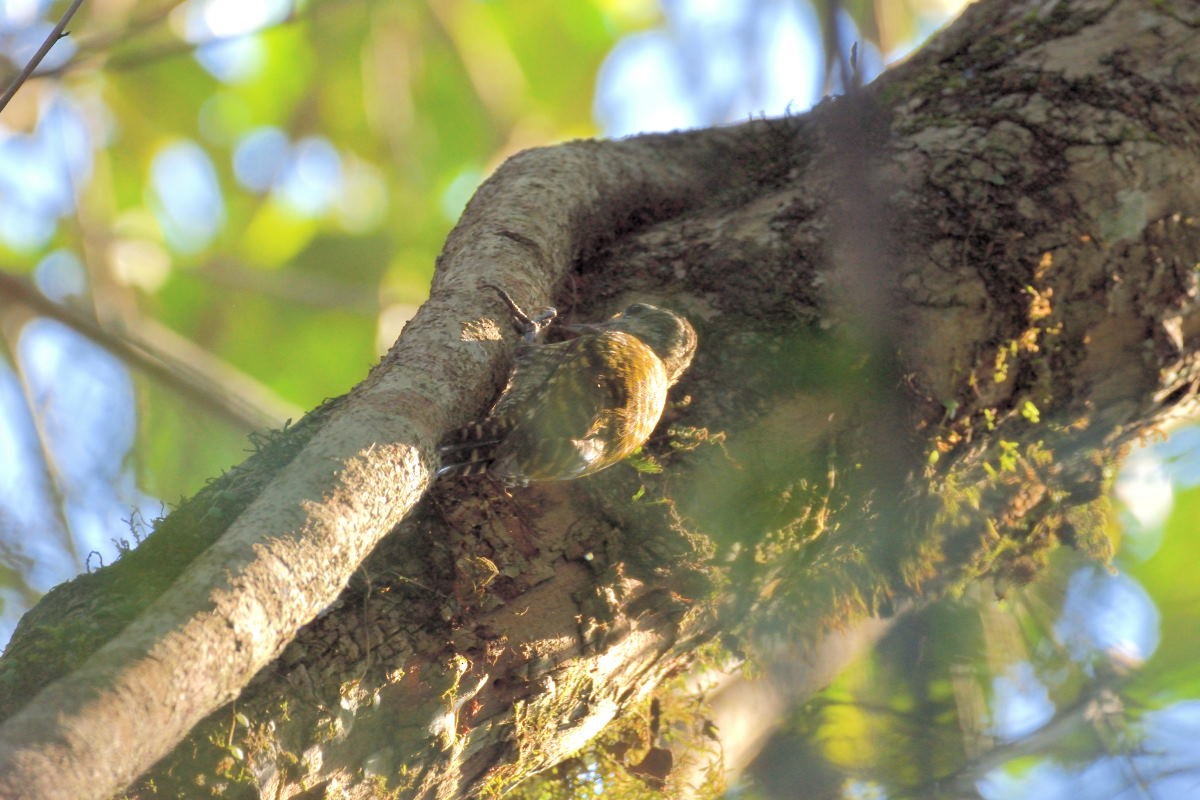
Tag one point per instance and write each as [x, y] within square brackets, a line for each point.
[95, 49]
[56, 33]
[60, 526]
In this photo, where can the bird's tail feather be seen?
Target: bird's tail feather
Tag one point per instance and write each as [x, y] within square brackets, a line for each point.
[471, 449]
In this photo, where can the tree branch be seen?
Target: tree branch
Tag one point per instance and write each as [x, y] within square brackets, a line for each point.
[288, 555]
[1032, 269]
[195, 374]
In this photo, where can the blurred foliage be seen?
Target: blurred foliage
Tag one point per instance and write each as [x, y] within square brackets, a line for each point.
[1167, 577]
[299, 286]
[254, 191]
[1081, 683]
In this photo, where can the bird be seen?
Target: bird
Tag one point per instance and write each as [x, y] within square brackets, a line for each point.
[575, 407]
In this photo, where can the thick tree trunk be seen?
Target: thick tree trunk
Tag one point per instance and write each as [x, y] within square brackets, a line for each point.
[931, 313]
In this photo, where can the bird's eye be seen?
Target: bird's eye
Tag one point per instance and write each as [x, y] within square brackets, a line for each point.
[637, 308]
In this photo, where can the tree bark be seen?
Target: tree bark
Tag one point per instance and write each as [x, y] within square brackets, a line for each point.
[931, 312]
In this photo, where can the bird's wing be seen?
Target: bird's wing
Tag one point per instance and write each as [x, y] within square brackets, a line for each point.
[568, 416]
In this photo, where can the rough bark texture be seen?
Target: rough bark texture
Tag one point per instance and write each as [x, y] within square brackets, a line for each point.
[931, 314]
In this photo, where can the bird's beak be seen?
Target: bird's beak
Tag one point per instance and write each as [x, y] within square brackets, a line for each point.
[579, 330]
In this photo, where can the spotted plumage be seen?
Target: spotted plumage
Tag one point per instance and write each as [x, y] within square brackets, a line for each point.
[575, 407]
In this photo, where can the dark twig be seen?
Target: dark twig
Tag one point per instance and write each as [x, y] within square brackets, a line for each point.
[55, 34]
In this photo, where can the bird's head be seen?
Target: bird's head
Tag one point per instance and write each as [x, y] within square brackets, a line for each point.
[669, 335]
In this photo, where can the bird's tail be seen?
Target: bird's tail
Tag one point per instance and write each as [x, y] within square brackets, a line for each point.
[471, 449]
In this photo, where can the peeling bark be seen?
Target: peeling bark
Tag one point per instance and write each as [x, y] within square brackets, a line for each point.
[931, 315]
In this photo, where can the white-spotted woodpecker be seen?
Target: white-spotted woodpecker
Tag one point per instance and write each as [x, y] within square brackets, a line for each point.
[575, 407]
